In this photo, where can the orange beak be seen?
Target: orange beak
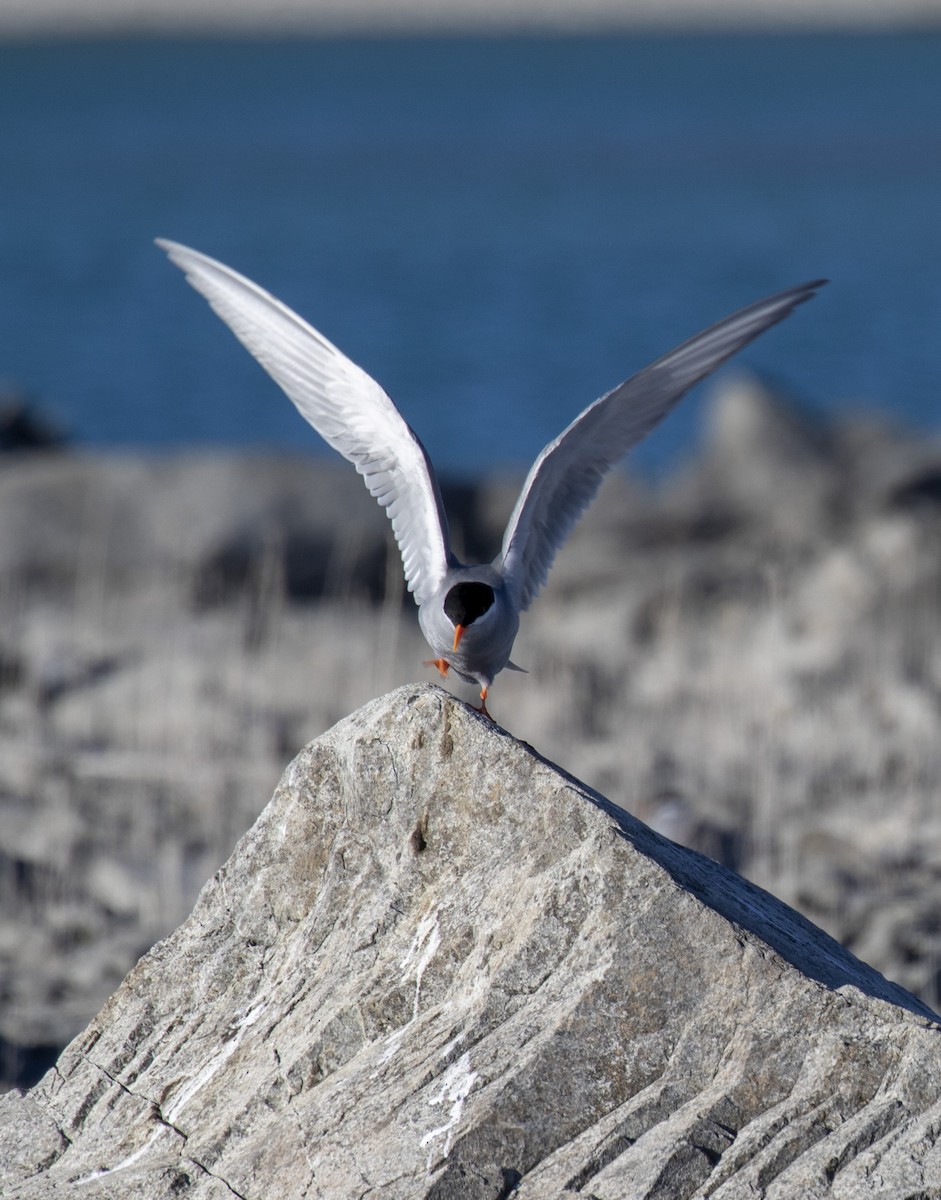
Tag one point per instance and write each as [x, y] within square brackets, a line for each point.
[458, 634]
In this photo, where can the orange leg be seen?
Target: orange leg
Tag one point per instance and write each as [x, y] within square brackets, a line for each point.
[483, 703]
[441, 663]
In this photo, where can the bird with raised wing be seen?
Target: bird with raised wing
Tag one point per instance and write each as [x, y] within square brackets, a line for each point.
[469, 615]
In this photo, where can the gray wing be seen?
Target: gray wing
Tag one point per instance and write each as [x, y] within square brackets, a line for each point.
[348, 409]
[567, 474]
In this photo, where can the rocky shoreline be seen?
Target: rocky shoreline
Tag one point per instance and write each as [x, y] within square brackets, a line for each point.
[37, 18]
[746, 656]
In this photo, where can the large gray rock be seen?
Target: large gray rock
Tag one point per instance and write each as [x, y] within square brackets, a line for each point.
[437, 966]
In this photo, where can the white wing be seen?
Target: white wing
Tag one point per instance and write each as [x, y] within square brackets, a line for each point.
[348, 409]
[567, 474]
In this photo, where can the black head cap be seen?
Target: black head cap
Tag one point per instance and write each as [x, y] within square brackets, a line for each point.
[465, 602]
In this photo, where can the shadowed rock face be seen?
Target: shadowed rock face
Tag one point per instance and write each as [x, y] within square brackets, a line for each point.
[439, 967]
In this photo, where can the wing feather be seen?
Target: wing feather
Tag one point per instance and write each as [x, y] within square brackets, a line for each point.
[349, 410]
[566, 476]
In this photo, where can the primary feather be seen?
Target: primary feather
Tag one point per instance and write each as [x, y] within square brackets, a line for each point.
[349, 410]
[567, 474]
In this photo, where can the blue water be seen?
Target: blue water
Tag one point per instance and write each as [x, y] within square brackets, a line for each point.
[498, 230]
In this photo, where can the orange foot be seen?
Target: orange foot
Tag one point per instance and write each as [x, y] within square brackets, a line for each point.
[442, 664]
[483, 704]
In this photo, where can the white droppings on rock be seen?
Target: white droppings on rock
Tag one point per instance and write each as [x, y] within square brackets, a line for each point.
[426, 941]
[198, 1081]
[455, 1088]
[130, 1161]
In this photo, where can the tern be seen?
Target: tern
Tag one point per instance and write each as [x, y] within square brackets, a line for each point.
[469, 615]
